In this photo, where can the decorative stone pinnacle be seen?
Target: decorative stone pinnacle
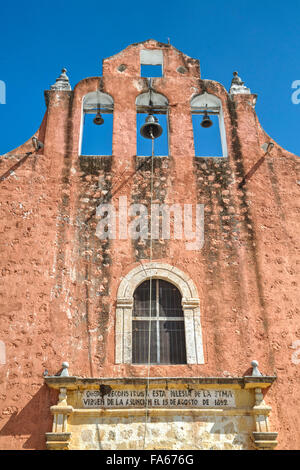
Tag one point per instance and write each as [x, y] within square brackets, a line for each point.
[65, 371]
[236, 79]
[255, 371]
[237, 86]
[62, 82]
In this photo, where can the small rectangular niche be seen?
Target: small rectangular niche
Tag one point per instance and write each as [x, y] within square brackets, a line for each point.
[151, 63]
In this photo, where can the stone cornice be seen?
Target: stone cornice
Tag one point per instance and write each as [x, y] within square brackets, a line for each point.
[246, 382]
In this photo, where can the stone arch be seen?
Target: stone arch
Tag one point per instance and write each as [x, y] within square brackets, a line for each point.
[158, 100]
[92, 102]
[190, 305]
[156, 104]
[212, 102]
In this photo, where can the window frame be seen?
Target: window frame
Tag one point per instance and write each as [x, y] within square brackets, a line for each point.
[190, 306]
[156, 319]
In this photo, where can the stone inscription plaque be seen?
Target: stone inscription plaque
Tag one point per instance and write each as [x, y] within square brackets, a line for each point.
[159, 398]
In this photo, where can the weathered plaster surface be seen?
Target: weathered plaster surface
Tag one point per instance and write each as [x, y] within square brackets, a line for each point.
[59, 282]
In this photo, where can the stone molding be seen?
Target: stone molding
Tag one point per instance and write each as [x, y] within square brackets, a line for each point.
[156, 270]
[72, 391]
[265, 440]
[58, 440]
[75, 383]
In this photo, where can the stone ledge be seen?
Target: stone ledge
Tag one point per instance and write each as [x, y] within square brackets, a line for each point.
[58, 436]
[58, 409]
[58, 440]
[130, 412]
[246, 382]
[265, 436]
[265, 440]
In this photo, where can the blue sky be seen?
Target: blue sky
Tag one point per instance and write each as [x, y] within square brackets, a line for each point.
[261, 40]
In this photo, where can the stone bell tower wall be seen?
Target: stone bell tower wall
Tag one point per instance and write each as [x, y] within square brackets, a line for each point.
[59, 282]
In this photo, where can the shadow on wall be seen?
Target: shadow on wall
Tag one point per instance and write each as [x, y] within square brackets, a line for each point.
[34, 420]
[248, 372]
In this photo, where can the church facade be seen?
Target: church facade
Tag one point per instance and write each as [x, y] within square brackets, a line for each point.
[149, 292]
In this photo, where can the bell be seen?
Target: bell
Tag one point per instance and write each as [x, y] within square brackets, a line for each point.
[151, 129]
[206, 121]
[98, 119]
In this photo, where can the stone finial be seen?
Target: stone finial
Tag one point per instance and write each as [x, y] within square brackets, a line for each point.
[65, 371]
[255, 371]
[62, 82]
[237, 86]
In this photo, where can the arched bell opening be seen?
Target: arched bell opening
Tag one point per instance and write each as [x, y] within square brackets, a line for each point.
[208, 125]
[97, 124]
[152, 123]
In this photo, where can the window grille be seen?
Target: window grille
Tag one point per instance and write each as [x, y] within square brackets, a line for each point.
[167, 336]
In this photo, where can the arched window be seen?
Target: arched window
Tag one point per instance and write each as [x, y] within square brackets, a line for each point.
[176, 335]
[96, 135]
[157, 104]
[210, 141]
[158, 319]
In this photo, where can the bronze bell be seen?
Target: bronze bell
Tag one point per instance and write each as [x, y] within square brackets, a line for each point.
[98, 119]
[151, 129]
[206, 121]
